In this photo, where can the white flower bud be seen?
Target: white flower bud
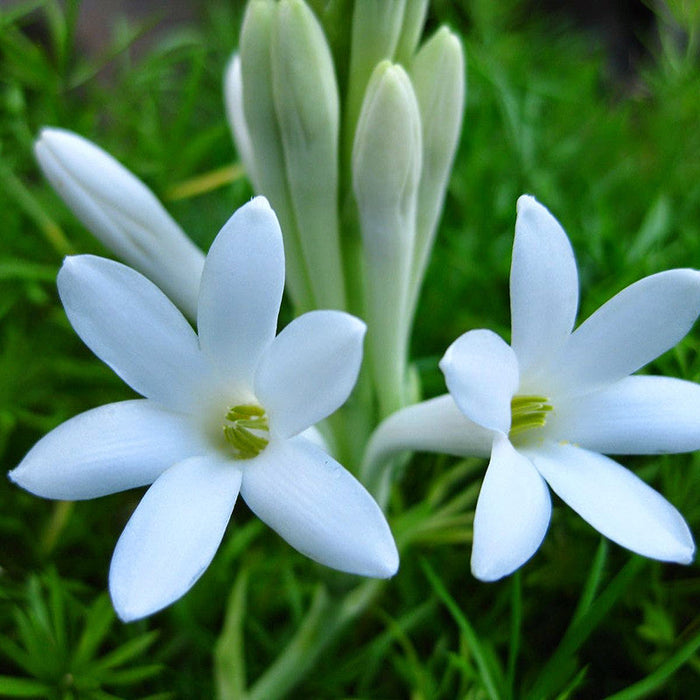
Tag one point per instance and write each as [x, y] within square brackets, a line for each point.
[122, 213]
[386, 167]
[233, 102]
[263, 129]
[306, 101]
[438, 78]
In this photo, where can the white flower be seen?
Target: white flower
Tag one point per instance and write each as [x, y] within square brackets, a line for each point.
[549, 404]
[221, 415]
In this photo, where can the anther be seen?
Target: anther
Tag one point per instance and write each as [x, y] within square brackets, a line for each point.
[242, 429]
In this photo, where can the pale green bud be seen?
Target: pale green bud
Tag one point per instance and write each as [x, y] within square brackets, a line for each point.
[438, 78]
[265, 139]
[386, 167]
[376, 27]
[306, 101]
[411, 30]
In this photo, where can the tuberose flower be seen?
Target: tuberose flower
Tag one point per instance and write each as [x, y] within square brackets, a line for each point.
[547, 406]
[221, 415]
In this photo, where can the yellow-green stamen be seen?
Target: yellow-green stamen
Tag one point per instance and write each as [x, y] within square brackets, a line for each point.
[242, 428]
[528, 412]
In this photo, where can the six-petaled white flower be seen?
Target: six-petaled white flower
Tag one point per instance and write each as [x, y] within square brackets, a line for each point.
[547, 406]
[221, 415]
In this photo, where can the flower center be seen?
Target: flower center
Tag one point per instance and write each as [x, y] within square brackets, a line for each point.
[246, 429]
[528, 412]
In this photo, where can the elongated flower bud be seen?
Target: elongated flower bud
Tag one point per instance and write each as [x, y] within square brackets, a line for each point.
[233, 102]
[376, 27]
[439, 81]
[261, 121]
[386, 167]
[122, 213]
[306, 102]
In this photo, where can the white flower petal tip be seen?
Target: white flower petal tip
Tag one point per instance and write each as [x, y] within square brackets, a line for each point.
[261, 203]
[107, 449]
[172, 536]
[615, 502]
[309, 369]
[543, 287]
[512, 514]
[319, 508]
[243, 279]
[481, 372]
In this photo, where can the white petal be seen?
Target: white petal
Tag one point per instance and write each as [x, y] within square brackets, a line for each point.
[123, 213]
[315, 436]
[172, 536]
[309, 369]
[319, 508]
[512, 513]
[108, 449]
[543, 287]
[615, 502]
[133, 327]
[633, 328]
[436, 425]
[481, 372]
[241, 291]
[233, 102]
[637, 415]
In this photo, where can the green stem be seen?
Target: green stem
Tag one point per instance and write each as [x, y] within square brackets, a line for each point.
[324, 621]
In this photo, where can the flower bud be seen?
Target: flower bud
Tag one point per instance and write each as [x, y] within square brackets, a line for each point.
[122, 213]
[376, 27]
[233, 102]
[306, 102]
[386, 166]
[261, 120]
[438, 77]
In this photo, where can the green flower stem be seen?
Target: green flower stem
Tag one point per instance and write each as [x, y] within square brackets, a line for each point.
[229, 659]
[328, 616]
[324, 621]
[411, 30]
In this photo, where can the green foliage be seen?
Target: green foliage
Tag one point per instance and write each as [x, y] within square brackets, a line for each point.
[59, 642]
[617, 163]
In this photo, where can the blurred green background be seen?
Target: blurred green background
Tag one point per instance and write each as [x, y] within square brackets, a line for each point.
[596, 114]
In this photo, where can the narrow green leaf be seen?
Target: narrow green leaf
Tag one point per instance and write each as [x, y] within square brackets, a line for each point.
[658, 678]
[560, 664]
[11, 687]
[486, 670]
[127, 651]
[229, 658]
[98, 620]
